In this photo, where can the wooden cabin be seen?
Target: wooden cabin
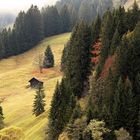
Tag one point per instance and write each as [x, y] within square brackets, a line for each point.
[35, 83]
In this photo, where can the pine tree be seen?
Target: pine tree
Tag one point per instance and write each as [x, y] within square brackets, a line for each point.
[78, 58]
[118, 107]
[115, 42]
[1, 118]
[96, 29]
[39, 102]
[65, 18]
[48, 58]
[76, 112]
[62, 105]
[138, 133]
[73, 16]
[105, 115]
[19, 33]
[120, 21]
[33, 26]
[51, 20]
[85, 11]
[90, 112]
[136, 113]
[106, 35]
[123, 60]
[133, 16]
[130, 110]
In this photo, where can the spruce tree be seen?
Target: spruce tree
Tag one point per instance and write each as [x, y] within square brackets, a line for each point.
[137, 109]
[90, 112]
[76, 112]
[85, 11]
[133, 16]
[78, 58]
[33, 26]
[65, 19]
[51, 21]
[48, 58]
[118, 107]
[39, 102]
[1, 118]
[115, 42]
[62, 105]
[54, 126]
[120, 20]
[106, 35]
[96, 29]
[130, 110]
[138, 133]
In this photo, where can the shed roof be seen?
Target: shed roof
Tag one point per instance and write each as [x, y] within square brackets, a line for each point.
[35, 79]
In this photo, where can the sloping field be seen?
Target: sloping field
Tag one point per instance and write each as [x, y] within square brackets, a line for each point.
[15, 72]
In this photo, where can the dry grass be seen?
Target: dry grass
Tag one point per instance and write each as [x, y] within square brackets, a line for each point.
[15, 72]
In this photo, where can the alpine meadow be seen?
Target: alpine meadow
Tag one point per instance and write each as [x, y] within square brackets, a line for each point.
[70, 70]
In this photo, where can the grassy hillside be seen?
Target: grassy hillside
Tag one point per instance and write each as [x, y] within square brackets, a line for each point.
[15, 72]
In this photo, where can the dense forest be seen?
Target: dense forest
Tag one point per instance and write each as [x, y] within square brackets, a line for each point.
[32, 26]
[101, 66]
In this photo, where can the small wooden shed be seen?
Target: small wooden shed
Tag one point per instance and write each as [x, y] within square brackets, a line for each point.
[35, 83]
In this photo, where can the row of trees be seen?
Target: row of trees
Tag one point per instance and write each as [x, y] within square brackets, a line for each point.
[85, 10]
[31, 27]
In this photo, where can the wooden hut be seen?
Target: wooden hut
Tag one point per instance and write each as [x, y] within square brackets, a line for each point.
[35, 83]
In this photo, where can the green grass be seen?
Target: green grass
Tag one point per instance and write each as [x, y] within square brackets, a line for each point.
[15, 72]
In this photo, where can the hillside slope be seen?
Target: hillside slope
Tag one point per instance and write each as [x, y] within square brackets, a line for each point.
[15, 72]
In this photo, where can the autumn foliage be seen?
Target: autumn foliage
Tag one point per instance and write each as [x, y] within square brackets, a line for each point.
[96, 52]
[108, 64]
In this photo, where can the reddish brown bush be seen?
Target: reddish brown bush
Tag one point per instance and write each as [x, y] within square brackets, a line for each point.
[96, 52]
[108, 64]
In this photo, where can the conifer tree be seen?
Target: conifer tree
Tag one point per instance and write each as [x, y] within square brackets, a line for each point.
[48, 58]
[130, 109]
[62, 105]
[76, 112]
[39, 102]
[138, 133]
[115, 42]
[96, 29]
[85, 11]
[120, 21]
[1, 118]
[106, 35]
[78, 58]
[90, 112]
[65, 18]
[106, 115]
[33, 26]
[51, 21]
[133, 16]
[54, 126]
[118, 107]
[136, 113]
